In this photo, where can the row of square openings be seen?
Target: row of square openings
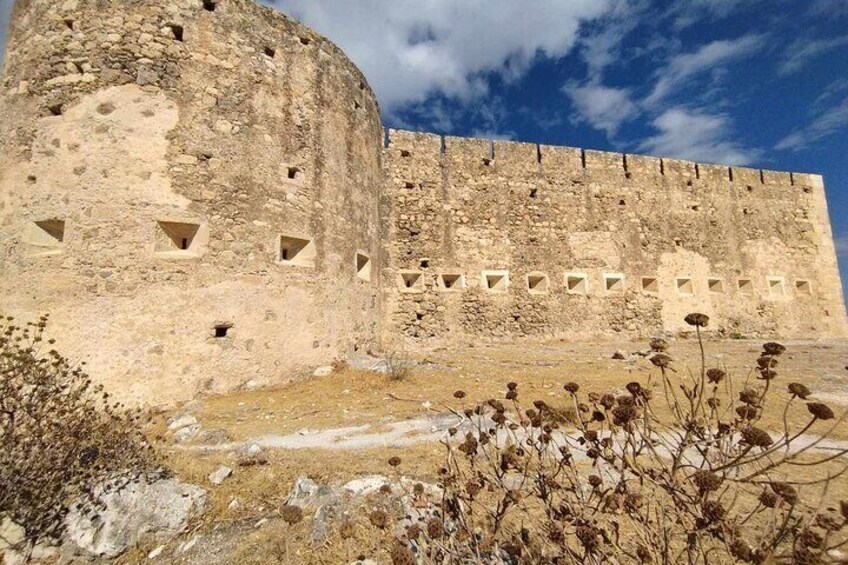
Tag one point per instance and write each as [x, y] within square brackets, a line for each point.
[187, 240]
[578, 283]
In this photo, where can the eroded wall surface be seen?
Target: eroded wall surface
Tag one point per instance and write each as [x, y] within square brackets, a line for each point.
[190, 189]
[510, 240]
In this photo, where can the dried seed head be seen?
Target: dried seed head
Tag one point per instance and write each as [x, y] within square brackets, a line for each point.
[634, 388]
[291, 514]
[715, 375]
[661, 360]
[749, 396]
[742, 551]
[401, 554]
[766, 361]
[768, 499]
[772, 348]
[595, 481]
[346, 530]
[697, 320]
[799, 390]
[706, 481]
[785, 491]
[746, 412]
[712, 511]
[435, 528]
[385, 489]
[659, 345]
[394, 461]
[511, 395]
[756, 437]
[379, 519]
[512, 386]
[572, 387]
[810, 538]
[459, 395]
[820, 411]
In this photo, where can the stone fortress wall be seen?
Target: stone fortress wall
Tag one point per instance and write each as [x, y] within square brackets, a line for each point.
[198, 192]
[510, 240]
[190, 188]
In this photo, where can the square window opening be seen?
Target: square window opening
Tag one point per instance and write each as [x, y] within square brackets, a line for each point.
[411, 281]
[451, 281]
[363, 267]
[715, 286]
[538, 283]
[497, 281]
[577, 283]
[425, 263]
[209, 5]
[176, 237]
[803, 287]
[294, 173]
[614, 283]
[296, 251]
[650, 285]
[221, 331]
[776, 286]
[269, 52]
[685, 287]
[47, 233]
[746, 287]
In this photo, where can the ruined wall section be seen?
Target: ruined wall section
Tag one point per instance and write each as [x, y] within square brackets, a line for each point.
[191, 189]
[551, 242]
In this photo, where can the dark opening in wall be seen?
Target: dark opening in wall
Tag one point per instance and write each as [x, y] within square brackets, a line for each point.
[614, 283]
[776, 286]
[577, 283]
[70, 24]
[296, 251]
[451, 281]
[47, 233]
[55, 109]
[695, 207]
[495, 281]
[425, 263]
[409, 185]
[405, 154]
[583, 158]
[221, 330]
[209, 5]
[294, 173]
[689, 183]
[803, 287]
[356, 105]
[715, 286]
[534, 192]
[419, 316]
[176, 237]
[411, 281]
[363, 266]
[685, 287]
[697, 171]
[537, 283]
[622, 203]
[746, 287]
[808, 190]
[730, 173]
[177, 31]
[305, 40]
[269, 52]
[487, 162]
[650, 285]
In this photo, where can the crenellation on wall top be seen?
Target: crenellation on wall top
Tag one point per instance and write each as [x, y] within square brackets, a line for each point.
[515, 155]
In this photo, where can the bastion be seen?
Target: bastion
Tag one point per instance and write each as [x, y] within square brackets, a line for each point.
[201, 195]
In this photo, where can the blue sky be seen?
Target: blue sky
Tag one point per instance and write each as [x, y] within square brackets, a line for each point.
[751, 82]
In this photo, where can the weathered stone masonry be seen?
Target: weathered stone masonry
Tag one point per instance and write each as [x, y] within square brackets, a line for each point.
[560, 242]
[198, 192]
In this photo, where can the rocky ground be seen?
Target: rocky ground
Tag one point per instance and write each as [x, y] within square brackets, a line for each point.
[323, 444]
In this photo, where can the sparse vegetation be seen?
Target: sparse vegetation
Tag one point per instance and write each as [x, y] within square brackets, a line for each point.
[698, 482]
[399, 365]
[61, 437]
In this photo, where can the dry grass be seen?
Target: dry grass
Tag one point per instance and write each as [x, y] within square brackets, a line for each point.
[350, 397]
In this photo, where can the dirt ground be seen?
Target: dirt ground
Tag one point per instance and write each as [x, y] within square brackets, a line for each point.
[372, 405]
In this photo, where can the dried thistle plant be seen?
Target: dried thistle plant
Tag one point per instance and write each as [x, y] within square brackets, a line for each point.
[61, 437]
[687, 475]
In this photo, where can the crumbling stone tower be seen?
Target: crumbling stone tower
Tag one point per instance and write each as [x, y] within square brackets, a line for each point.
[201, 194]
[191, 189]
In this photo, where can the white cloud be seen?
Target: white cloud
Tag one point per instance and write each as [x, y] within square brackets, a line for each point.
[602, 107]
[698, 136]
[828, 122]
[802, 51]
[411, 49]
[690, 12]
[710, 57]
